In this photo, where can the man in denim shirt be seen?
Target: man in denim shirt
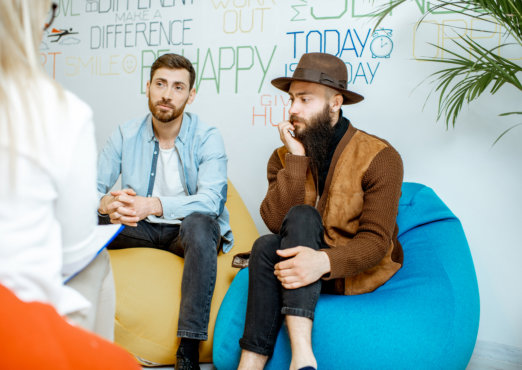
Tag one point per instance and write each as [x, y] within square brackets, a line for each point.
[174, 188]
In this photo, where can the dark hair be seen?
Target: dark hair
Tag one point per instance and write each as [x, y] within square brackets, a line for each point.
[174, 61]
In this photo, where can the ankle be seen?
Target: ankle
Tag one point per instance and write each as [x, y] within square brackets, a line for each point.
[303, 358]
[251, 360]
[189, 348]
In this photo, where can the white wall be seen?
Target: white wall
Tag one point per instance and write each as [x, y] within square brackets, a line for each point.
[481, 184]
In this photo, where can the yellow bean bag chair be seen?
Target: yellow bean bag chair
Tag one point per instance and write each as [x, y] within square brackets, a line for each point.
[148, 292]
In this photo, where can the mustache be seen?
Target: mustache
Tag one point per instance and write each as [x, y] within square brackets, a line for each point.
[165, 103]
[294, 118]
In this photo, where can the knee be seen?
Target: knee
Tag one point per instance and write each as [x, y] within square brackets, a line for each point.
[265, 248]
[199, 227]
[200, 222]
[303, 216]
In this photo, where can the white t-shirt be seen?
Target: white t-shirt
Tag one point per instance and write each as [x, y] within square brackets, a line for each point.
[48, 219]
[167, 180]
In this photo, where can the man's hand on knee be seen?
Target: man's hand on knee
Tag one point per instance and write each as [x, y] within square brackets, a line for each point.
[304, 266]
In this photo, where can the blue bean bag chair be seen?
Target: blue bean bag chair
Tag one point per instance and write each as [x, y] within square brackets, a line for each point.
[425, 317]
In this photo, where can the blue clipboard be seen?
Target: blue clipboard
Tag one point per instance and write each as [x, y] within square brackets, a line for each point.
[108, 241]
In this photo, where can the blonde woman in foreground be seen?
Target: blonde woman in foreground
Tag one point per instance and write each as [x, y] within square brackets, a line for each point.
[48, 199]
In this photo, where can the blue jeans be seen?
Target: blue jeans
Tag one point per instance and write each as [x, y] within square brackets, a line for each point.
[197, 240]
[268, 301]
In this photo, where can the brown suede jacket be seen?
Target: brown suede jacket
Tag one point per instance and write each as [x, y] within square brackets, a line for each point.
[359, 207]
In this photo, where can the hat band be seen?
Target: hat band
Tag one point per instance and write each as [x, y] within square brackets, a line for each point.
[319, 77]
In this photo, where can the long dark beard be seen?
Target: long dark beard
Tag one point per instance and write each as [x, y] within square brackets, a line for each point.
[316, 138]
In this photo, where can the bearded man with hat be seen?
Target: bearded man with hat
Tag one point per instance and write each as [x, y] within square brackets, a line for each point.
[332, 202]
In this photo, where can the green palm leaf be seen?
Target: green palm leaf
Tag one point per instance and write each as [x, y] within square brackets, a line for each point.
[472, 69]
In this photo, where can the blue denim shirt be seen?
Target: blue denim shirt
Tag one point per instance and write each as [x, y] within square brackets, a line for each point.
[132, 150]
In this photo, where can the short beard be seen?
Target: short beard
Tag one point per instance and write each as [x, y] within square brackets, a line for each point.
[166, 117]
[315, 138]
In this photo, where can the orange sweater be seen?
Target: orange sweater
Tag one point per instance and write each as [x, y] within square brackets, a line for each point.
[34, 336]
[359, 207]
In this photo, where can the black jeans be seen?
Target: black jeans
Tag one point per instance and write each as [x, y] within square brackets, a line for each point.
[197, 240]
[268, 301]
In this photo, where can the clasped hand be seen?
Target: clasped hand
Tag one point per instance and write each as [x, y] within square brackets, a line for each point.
[127, 208]
[303, 266]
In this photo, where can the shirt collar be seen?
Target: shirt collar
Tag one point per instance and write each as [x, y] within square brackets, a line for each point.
[183, 132]
[150, 131]
[185, 125]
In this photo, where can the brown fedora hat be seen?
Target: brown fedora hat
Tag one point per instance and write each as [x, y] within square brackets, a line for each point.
[324, 69]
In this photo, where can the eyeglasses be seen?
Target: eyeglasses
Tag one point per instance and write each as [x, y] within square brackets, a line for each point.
[54, 6]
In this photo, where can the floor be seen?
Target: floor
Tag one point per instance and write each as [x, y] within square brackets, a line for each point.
[475, 364]
[492, 356]
[486, 356]
[486, 362]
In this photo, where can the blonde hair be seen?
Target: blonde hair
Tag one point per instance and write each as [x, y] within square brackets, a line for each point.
[21, 73]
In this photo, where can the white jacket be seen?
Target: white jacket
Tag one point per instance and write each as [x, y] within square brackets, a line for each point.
[48, 219]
